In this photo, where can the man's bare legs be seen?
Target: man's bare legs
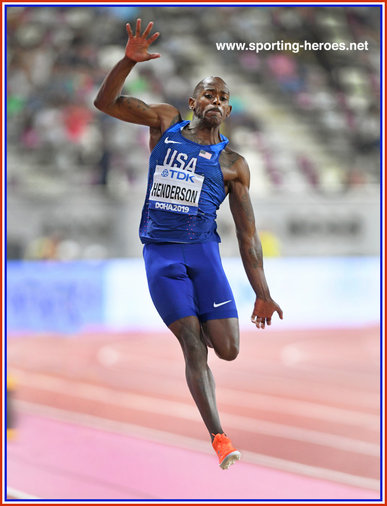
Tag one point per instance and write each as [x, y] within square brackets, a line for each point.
[223, 336]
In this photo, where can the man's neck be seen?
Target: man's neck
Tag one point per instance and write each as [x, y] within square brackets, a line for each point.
[202, 133]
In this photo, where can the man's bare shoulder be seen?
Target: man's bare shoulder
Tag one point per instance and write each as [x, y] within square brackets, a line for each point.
[168, 116]
[233, 164]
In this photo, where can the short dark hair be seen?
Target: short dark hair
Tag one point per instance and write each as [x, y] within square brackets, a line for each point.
[201, 83]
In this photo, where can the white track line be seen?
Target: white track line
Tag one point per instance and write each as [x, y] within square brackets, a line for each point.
[111, 355]
[331, 393]
[192, 444]
[297, 407]
[17, 494]
[150, 404]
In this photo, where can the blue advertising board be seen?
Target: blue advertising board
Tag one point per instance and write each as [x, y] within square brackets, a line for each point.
[54, 296]
[71, 297]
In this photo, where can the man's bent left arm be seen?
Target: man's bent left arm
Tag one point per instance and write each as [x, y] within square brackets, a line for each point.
[250, 245]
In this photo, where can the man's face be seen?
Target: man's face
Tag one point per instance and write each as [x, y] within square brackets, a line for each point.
[211, 103]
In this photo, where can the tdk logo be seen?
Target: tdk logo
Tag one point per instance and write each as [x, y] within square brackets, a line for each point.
[182, 176]
[165, 173]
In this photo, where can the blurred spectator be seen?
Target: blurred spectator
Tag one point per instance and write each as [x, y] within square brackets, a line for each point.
[57, 57]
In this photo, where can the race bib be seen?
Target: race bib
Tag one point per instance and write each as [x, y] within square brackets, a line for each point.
[175, 190]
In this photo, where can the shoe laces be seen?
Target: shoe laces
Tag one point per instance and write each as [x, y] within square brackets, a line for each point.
[222, 445]
[220, 440]
[220, 437]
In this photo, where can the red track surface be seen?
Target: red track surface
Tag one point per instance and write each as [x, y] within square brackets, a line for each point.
[304, 402]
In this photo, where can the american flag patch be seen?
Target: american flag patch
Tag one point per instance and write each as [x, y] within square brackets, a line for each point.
[205, 154]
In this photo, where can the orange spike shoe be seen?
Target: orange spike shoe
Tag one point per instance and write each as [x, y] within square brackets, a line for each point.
[223, 447]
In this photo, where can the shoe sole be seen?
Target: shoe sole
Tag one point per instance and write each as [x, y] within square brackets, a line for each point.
[230, 459]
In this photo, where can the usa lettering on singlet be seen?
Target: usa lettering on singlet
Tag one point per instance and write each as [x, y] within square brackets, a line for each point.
[185, 189]
[176, 190]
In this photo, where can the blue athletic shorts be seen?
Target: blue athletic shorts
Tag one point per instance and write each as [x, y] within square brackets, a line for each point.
[188, 280]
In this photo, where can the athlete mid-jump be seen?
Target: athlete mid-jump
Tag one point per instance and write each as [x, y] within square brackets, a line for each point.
[191, 171]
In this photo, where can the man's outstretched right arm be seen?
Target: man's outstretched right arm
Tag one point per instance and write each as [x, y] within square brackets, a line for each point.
[133, 110]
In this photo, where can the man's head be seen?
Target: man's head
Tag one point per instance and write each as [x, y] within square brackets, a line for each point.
[210, 100]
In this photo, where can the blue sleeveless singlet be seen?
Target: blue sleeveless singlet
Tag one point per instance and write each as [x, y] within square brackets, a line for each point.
[185, 189]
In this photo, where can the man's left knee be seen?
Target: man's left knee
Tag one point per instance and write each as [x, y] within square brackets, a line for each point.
[223, 335]
[228, 352]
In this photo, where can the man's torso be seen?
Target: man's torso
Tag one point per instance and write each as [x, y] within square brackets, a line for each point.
[185, 188]
[227, 157]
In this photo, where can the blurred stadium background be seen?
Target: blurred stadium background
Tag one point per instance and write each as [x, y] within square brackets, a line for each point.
[308, 124]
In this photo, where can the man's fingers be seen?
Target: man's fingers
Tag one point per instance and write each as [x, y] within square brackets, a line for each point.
[261, 321]
[266, 311]
[147, 29]
[152, 56]
[258, 321]
[153, 38]
[129, 30]
[138, 27]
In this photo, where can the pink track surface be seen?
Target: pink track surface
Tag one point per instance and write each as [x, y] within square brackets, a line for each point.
[303, 408]
[69, 461]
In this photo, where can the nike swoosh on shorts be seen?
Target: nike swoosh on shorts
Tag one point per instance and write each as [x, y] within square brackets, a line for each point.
[221, 303]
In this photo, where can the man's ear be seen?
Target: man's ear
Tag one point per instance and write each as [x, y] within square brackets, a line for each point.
[229, 111]
[191, 103]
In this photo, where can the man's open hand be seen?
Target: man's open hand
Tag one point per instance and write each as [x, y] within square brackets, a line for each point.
[137, 46]
[263, 311]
